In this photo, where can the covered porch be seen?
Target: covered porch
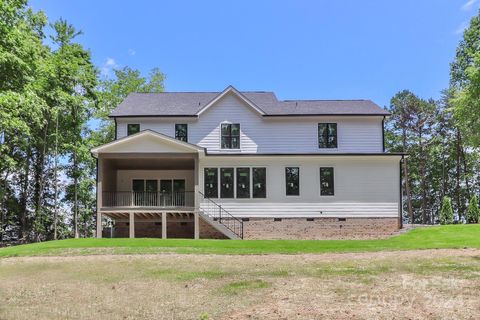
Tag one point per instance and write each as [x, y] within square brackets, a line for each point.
[147, 186]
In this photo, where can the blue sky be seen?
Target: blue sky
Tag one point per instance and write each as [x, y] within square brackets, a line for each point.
[300, 49]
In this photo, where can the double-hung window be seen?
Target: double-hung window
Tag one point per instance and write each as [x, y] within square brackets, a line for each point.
[133, 128]
[211, 182]
[230, 136]
[243, 182]
[259, 182]
[327, 135]
[326, 181]
[181, 132]
[292, 180]
[226, 182]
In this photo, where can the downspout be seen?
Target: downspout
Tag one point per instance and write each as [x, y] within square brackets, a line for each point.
[383, 133]
[400, 200]
[115, 120]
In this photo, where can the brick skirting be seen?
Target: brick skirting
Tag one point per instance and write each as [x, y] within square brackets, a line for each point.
[267, 228]
[320, 228]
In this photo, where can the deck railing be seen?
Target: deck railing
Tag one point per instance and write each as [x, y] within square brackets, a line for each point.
[222, 216]
[148, 199]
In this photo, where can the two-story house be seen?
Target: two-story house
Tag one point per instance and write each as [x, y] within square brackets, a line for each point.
[246, 165]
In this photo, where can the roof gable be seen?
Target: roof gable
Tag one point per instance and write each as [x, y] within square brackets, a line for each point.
[238, 94]
[147, 141]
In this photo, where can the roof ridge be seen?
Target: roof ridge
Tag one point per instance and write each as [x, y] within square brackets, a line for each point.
[198, 92]
[293, 100]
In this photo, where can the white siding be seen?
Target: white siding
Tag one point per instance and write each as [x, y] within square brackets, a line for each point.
[364, 187]
[267, 135]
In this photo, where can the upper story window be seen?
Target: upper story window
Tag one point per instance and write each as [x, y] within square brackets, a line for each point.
[327, 135]
[230, 136]
[326, 182]
[292, 179]
[181, 132]
[133, 128]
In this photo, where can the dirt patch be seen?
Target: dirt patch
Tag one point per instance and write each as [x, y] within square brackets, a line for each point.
[437, 284]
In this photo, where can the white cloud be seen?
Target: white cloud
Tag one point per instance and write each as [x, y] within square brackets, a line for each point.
[468, 5]
[108, 66]
[461, 28]
[132, 52]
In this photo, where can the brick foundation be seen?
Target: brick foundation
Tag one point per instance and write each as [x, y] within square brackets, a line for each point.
[320, 228]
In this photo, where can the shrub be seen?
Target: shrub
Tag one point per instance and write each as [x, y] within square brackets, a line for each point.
[446, 212]
[473, 211]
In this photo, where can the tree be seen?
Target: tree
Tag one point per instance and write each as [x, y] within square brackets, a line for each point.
[465, 82]
[113, 91]
[446, 212]
[473, 212]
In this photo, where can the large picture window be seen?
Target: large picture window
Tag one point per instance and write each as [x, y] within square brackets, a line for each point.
[133, 128]
[243, 182]
[292, 179]
[226, 183]
[230, 136]
[327, 135]
[259, 182]
[211, 182]
[326, 182]
[181, 132]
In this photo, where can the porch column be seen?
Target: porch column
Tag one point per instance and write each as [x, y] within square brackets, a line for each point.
[196, 223]
[132, 224]
[164, 225]
[99, 224]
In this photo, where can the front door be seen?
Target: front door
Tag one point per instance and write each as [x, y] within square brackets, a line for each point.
[165, 193]
[138, 189]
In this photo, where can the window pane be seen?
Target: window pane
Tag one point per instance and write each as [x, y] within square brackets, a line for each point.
[235, 129]
[243, 182]
[327, 135]
[211, 182]
[226, 142]
[292, 177]
[132, 128]
[226, 129]
[181, 132]
[259, 182]
[235, 143]
[326, 182]
[138, 185]
[226, 183]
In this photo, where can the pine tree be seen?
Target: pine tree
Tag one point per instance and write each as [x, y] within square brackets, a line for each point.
[446, 213]
[473, 211]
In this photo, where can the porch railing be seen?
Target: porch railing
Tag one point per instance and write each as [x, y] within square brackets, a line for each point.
[148, 199]
[222, 216]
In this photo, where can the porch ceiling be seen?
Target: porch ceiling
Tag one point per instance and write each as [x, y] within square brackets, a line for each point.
[159, 163]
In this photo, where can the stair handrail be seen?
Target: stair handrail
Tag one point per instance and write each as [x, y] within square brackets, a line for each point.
[222, 211]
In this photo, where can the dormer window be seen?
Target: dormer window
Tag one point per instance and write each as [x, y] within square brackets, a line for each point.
[327, 135]
[181, 132]
[132, 128]
[230, 136]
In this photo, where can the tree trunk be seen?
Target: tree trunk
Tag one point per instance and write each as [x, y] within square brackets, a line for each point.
[406, 177]
[75, 193]
[24, 202]
[457, 175]
[55, 213]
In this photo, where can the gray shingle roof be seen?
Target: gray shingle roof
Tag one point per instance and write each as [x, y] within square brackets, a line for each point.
[170, 104]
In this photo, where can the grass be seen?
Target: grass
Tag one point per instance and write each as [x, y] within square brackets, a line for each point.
[441, 237]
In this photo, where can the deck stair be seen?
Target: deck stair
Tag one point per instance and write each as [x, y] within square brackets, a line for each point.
[220, 219]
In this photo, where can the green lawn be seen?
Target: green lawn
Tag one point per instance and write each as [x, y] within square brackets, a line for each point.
[454, 236]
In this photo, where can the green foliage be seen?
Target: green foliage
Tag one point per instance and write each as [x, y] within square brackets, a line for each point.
[113, 91]
[446, 212]
[465, 82]
[473, 211]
